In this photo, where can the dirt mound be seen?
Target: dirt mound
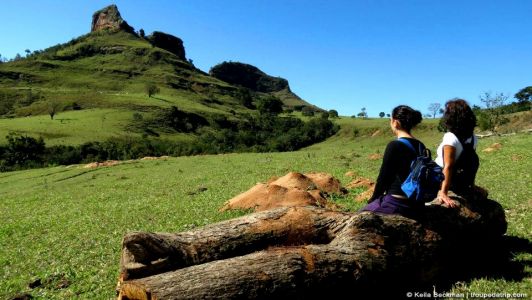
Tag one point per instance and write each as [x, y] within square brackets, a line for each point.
[364, 183]
[293, 189]
[327, 183]
[375, 156]
[494, 147]
[107, 163]
[376, 133]
[350, 174]
[360, 182]
[295, 180]
[154, 157]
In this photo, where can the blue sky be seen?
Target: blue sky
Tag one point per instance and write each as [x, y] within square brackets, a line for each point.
[341, 55]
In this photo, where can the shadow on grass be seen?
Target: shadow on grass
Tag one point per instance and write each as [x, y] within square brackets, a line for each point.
[492, 260]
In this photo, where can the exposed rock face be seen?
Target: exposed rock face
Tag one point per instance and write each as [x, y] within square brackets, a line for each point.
[248, 76]
[168, 42]
[109, 18]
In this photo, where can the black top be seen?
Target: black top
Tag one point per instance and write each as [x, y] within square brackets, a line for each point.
[395, 167]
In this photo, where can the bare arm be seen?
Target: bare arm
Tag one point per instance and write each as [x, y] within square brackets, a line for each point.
[448, 165]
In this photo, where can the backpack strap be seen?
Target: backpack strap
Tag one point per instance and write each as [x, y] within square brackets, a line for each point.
[407, 142]
[421, 151]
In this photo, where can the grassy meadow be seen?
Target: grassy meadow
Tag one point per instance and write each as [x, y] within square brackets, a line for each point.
[64, 225]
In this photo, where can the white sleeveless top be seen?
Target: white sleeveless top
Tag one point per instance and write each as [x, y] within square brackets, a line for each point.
[449, 139]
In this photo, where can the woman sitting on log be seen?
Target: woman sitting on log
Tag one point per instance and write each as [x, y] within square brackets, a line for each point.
[456, 154]
[388, 197]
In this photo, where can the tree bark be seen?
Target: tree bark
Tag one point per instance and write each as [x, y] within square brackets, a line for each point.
[301, 252]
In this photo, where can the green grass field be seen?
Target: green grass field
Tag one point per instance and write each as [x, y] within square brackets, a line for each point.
[66, 223]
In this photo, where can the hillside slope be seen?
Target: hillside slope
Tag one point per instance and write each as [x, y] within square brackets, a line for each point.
[107, 71]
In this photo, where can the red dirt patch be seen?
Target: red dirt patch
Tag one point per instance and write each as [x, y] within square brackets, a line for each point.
[327, 183]
[365, 195]
[108, 163]
[494, 147]
[350, 174]
[154, 157]
[360, 182]
[375, 156]
[364, 183]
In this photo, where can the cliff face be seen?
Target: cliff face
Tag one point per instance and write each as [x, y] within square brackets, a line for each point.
[109, 18]
[168, 42]
[248, 76]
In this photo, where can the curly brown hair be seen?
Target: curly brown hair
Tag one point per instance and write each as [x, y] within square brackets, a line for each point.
[459, 118]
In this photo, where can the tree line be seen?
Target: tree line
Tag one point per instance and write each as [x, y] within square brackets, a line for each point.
[266, 132]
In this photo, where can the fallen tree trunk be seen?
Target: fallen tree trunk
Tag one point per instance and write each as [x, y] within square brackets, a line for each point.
[301, 252]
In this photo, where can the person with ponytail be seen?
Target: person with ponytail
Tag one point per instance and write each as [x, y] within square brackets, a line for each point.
[388, 197]
[456, 154]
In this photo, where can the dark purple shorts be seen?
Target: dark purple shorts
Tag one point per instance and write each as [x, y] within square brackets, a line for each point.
[387, 204]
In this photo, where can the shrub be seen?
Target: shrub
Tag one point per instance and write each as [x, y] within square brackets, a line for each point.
[22, 151]
[307, 111]
[270, 106]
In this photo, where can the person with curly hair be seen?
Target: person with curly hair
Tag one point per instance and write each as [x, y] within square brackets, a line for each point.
[388, 197]
[459, 139]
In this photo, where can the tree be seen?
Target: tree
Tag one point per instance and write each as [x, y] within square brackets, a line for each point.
[23, 150]
[53, 108]
[27, 52]
[388, 115]
[152, 89]
[441, 111]
[325, 115]
[492, 116]
[141, 33]
[434, 108]
[381, 114]
[270, 106]
[525, 94]
[493, 101]
[362, 113]
[245, 98]
[333, 113]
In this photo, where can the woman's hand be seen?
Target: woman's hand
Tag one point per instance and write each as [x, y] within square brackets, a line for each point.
[446, 200]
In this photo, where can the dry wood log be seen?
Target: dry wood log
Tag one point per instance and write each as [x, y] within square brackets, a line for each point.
[301, 252]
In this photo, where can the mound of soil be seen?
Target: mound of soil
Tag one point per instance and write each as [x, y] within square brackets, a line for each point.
[108, 163]
[494, 147]
[364, 183]
[375, 156]
[350, 174]
[293, 189]
[155, 157]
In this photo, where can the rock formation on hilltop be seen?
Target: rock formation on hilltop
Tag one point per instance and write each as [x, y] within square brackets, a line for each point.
[168, 42]
[109, 18]
[248, 76]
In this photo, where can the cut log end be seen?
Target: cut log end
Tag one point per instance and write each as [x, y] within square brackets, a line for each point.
[130, 291]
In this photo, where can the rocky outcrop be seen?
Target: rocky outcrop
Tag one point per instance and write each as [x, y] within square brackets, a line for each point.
[248, 76]
[109, 18]
[168, 42]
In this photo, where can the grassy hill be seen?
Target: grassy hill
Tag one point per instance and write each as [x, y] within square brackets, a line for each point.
[106, 73]
[64, 225]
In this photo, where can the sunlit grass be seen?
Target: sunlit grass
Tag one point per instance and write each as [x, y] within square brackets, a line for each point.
[69, 221]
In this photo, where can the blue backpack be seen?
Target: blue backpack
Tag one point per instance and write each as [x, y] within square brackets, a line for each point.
[425, 178]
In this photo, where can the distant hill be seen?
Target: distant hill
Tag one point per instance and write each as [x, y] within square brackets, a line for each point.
[107, 72]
